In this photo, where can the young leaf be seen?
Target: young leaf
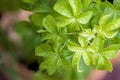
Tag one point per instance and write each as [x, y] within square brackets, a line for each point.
[91, 48]
[50, 24]
[63, 7]
[43, 50]
[88, 58]
[110, 34]
[83, 41]
[85, 17]
[50, 64]
[47, 35]
[104, 64]
[105, 19]
[76, 6]
[74, 47]
[111, 51]
[62, 21]
[88, 34]
[86, 3]
[57, 42]
[98, 43]
[37, 18]
[76, 61]
[114, 25]
[74, 27]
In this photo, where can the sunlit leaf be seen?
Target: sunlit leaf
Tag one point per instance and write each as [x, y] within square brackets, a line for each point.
[88, 58]
[86, 3]
[105, 19]
[49, 24]
[110, 34]
[110, 51]
[63, 7]
[76, 6]
[85, 17]
[73, 46]
[104, 64]
[49, 64]
[62, 21]
[43, 50]
[113, 25]
[76, 61]
[91, 48]
[98, 43]
[83, 41]
[74, 27]
[87, 33]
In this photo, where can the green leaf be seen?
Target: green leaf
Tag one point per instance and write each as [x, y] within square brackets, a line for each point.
[50, 64]
[28, 1]
[66, 53]
[74, 47]
[74, 27]
[88, 34]
[114, 25]
[50, 24]
[91, 48]
[97, 1]
[37, 18]
[116, 3]
[104, 64]
[83, 41]
[88, 58]
[62, 21]
[110, 34]
[63, 7]
[85, 17]
[86, 3]
[105, 19]
[64, 64]
[43, 50]
[76, 6]
[98, 43]
[58, 42]
[110, 51]
[47, 36]
[100, 32]
[42, 8]
[76, 61]
[63, 30]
